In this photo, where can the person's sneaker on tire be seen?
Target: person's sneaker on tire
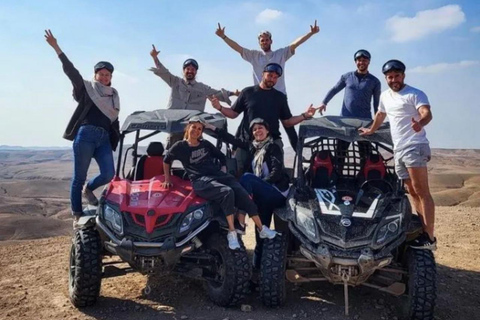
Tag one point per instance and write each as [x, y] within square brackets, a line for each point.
[232, 238]
[423, 242]
[267, 233]
[240, 228]
[89, 196]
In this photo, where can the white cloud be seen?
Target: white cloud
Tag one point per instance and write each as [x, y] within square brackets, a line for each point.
[475, 29]
[424, 23]
[442, 67]
[267, 16]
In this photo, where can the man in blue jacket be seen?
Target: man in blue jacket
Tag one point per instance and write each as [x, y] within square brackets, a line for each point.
[360, 87]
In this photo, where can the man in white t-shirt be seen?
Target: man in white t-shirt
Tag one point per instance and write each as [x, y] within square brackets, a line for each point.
[408, 111]
[260, 58]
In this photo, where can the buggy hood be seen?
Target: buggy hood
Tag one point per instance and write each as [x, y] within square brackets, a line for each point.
[168, 120]
[344, 128]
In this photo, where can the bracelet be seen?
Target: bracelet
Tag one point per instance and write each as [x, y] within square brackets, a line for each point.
[224, 36]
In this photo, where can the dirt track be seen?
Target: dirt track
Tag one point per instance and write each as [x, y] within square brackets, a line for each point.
[33, 285]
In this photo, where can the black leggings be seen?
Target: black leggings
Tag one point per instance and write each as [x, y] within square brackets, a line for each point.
[225, 190]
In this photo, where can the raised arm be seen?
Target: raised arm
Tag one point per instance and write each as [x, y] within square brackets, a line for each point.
[226, 111]
[232, 44]
[297, 119]
[227, 137]
[160, 69]
[331, 93]
[71, 72]
[313, 29]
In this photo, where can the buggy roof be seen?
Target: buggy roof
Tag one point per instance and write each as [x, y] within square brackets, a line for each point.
[344, 128]
[168, 120]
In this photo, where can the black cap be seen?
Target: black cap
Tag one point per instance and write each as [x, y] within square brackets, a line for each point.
[362, 53]
[393, 65]
[259, 121]
[103, 65]
[190, 62]
[274, 67]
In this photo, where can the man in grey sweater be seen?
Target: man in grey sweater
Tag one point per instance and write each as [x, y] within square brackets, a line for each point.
[186, 93]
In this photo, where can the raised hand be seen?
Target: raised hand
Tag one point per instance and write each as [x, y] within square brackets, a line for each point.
[220, 31]
[322, 108]
[154, 53]
[416, 126]
[51, 40]
[310, 112]
[215, 102]
[314, 29]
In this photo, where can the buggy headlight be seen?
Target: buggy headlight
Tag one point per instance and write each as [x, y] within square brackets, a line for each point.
[387, 231]
[191, 219]
[113, 219]
[306, 222]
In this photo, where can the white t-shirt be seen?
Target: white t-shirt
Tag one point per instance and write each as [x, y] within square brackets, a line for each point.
[259, 59]
[400, 108]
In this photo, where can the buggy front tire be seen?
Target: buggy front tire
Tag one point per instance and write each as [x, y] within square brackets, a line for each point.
[272, 270]
[233, 272]
[422, 284]
[85, 272]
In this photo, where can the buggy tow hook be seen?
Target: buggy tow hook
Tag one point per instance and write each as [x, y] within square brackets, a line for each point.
[346, 277]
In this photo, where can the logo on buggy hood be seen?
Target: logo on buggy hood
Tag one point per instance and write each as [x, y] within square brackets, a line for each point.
[326, 200]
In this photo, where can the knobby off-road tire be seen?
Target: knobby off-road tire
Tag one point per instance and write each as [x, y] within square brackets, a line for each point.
[234, 272]
[422, 284]
[85, 274]
[272, 270]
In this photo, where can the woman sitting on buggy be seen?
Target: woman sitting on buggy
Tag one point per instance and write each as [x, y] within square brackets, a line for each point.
[266, 180]
[209, 179]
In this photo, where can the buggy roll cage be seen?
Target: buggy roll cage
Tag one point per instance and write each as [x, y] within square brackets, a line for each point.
[162, 120]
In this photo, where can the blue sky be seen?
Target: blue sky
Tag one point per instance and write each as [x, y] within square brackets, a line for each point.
[439, 41]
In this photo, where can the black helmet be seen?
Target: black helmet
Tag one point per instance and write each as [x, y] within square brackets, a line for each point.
[361, 53]
[259, 121]
[190, 62]
[274, 67]
[395, 65]
[103, 65]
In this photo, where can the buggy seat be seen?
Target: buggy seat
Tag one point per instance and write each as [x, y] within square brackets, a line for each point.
[321, 173]
[151, 164]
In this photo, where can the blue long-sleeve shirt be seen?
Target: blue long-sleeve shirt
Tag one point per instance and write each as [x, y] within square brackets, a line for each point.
[358, 94]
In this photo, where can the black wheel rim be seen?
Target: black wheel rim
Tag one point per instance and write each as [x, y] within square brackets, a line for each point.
[219, 270]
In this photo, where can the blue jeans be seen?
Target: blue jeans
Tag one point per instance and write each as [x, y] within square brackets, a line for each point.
[267, 198]
[90, 142]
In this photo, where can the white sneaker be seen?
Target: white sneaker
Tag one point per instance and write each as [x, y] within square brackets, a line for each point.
[267, 233]
[89, 196]
[232, 238]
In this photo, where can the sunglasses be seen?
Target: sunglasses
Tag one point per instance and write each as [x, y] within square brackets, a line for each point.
[274, 68]
[362, 53]
[393, 65]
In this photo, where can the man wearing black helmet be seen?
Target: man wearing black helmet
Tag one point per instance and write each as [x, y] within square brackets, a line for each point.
[408, 110]
[360, 87]
[262, 101]
[186, 93]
